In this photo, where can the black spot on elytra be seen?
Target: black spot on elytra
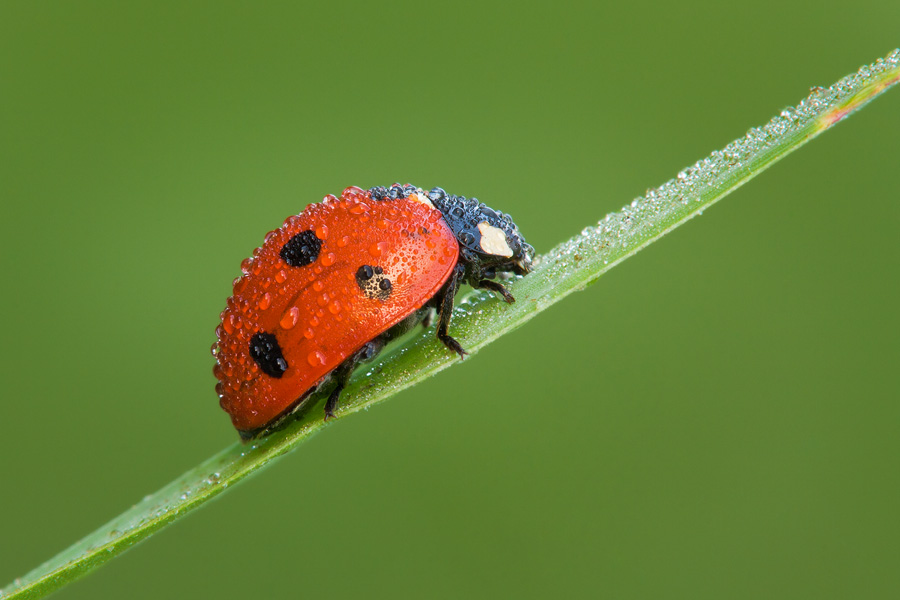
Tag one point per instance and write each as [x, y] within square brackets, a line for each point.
[373, 283]
[264, 349]
[302, 249]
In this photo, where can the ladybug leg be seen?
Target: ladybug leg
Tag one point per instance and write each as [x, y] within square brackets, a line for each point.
[487, 284]
[343, 372]
[428, 318]
[444, 300]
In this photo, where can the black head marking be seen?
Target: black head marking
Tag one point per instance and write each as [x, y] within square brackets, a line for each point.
[302, 249]
[394, 192]
[264, 349]
[471, 221]
[373, 283]
[437, 194]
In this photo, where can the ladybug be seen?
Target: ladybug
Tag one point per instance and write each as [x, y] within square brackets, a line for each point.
[331, 287]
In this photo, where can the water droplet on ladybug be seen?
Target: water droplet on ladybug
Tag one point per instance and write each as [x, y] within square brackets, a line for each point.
[245, 265]
[328, 259]
[334, 307]
[318, 286]
[343, 241]
[322, 232]
[290, 318]
[316, 358]
[281, 276]
[352, 191]
[238, 285]
[376, 250]
[265, 301]
[309, 333]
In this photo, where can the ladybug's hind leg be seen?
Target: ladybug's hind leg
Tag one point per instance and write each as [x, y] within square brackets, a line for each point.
[368, 351]
[343, 372]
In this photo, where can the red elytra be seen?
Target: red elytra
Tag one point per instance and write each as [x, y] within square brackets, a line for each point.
[318, 311]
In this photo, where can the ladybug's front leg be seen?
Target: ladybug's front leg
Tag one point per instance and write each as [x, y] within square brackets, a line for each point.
[487, 284]
[444, 300]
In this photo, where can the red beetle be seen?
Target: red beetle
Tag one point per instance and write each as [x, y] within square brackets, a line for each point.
[333, 285]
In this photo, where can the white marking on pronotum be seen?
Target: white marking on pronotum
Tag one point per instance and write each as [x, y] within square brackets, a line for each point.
[421, 198]
[493, 240]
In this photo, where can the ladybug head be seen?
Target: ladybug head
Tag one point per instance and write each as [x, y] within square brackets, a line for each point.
[486, 237]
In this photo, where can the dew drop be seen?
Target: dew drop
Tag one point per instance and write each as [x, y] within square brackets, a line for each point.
[238, 285]
[290, 318]
[318, 286]
[322, 232]
[328, 259]
[265, 301]
[281, 276]
[334, 307]
[376, 250]
[316, 358]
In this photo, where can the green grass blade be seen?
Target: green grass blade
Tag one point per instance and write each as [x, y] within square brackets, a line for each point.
[478, 320]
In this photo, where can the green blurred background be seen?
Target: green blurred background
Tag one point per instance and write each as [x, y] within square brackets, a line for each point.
[716, 418]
